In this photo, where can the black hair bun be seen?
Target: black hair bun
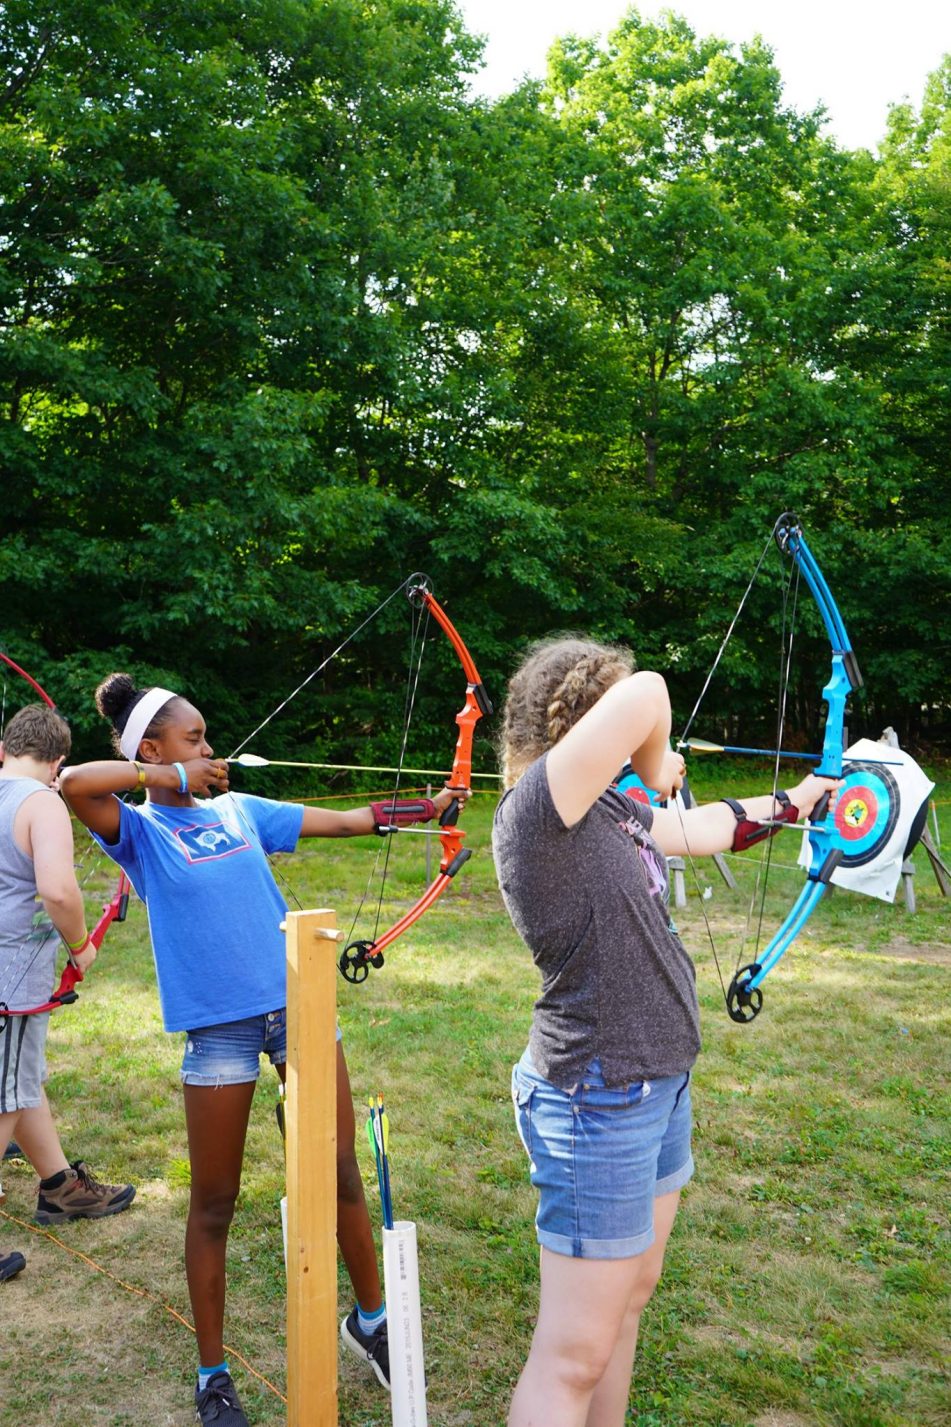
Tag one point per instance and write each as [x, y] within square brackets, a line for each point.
[115, 695]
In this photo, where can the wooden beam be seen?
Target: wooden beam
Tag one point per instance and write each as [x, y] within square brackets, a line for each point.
[311, 1112]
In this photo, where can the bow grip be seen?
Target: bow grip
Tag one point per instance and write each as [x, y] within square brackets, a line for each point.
[450, 815]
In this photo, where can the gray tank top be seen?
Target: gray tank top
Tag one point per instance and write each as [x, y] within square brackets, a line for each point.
[28, 940]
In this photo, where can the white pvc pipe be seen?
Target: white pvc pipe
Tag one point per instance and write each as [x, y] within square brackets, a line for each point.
[407, 1369]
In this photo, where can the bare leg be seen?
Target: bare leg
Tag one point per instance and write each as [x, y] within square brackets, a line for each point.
[610, 1398]
[586, 1335]
[8, 1124]
[217, 1120]
[354, 1234]
[354, 1231]
[37, 1137]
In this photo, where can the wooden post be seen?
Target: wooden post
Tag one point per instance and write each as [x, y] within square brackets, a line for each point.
[311, 1170]
[941, 871]
[676, 865]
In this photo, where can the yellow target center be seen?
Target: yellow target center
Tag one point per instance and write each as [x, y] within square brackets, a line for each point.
[856, 812]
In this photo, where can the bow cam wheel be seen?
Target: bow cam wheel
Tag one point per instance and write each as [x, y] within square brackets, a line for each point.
[356, 960]
[743, 1002]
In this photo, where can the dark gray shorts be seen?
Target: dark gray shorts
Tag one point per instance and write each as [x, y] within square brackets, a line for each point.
[22, 1061]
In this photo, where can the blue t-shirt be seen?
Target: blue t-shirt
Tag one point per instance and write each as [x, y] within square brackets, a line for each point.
[214, 907]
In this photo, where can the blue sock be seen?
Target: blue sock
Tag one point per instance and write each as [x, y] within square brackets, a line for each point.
[205, 1373]
[370, 1322]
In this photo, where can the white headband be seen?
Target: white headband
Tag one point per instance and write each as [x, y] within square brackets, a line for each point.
[140, 718]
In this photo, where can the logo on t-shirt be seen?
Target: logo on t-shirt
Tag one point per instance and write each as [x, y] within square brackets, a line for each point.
[204, 842]
[649, 859]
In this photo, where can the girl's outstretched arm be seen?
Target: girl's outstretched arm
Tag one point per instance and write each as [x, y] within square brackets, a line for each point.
[701, 831]
[360, 822]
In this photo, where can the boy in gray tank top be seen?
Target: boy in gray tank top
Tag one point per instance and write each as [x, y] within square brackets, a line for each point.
[40, 904]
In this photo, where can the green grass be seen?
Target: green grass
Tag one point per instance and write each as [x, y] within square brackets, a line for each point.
[807, 1282]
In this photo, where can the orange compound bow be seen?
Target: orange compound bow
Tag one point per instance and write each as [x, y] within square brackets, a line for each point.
[358, 957]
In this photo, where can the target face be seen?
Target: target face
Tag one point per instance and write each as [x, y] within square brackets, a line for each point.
[866, 813]
[631, 786]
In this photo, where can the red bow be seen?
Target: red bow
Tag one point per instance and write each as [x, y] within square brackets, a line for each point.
[359, 956]
[113, 911]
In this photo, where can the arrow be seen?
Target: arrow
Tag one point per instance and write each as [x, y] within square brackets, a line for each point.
[384, 1124]
[378, 1131]
[700, 745]
[253, 760]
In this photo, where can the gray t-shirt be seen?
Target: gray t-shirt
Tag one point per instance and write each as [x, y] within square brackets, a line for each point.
[590, 902]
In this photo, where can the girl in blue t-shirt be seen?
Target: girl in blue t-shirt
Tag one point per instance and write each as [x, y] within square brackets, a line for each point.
[214, 914]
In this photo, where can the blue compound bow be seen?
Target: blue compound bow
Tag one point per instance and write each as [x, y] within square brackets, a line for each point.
[868, 806]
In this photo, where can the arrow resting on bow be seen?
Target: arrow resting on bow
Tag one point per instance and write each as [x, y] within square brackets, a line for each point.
[358, 957]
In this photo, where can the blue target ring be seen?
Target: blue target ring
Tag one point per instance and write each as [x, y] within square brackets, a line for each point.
[632, 786]
[866, 812]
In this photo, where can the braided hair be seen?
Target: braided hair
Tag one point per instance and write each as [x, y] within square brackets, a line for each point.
[558, 681]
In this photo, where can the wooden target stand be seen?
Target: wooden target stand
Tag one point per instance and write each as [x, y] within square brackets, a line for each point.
[311, 1152]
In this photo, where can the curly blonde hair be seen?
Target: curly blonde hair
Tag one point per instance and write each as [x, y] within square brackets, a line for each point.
[558, 681]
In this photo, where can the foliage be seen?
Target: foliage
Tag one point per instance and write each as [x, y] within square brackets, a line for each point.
[285, 314]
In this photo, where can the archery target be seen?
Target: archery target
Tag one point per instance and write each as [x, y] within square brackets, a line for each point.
[632, 786]
[879, 807]
[866, 812]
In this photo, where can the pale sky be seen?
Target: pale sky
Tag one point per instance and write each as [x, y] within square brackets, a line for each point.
[854, 56]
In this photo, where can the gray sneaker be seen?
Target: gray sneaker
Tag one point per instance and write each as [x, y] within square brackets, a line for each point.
[371, 1348]
[81, 1196]
[217, 1405]
[11, 1265]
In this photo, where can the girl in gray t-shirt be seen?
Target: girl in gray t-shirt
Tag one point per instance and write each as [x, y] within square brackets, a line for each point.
[602, 1095]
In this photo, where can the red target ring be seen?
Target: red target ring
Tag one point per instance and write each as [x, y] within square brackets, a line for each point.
[856, 812]
[866, 812]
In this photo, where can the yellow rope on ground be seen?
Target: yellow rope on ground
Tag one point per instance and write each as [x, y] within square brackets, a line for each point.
[142, 1292]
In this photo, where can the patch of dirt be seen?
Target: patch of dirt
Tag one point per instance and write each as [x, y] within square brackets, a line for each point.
[933, 952]
[780, 1417]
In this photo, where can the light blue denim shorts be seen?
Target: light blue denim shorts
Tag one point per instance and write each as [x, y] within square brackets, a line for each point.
[230, 1052]
[600, 1157]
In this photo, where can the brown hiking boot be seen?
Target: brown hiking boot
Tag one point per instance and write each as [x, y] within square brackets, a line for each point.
[81, 1196]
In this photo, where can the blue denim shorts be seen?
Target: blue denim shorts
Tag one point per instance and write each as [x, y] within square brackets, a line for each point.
[600, 1157]
[230, 1053]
